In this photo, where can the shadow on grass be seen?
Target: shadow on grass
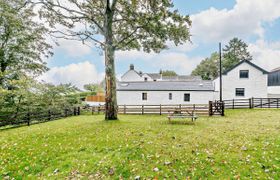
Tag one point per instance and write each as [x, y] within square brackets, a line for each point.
[181, 123]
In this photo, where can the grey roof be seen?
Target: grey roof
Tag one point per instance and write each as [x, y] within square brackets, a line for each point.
[166, 86]
[275, 70]
[181, 78]
[154, 75]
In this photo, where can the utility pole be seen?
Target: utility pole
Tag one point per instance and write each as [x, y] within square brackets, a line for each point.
[221, 80]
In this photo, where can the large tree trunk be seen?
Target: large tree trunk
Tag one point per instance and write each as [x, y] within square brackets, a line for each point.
[111, 108]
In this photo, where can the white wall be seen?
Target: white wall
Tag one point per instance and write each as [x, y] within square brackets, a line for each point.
[274, 91]
[131, 76]
[162, 97]
[255, 85]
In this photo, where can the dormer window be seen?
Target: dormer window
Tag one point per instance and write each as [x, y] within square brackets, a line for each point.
[145, 79]
[244, 74]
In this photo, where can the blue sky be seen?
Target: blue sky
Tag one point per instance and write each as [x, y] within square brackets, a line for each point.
[257, 22]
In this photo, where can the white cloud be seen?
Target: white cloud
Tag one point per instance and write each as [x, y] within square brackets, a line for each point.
[266, 55]
[77, 74]
[179, 62]
[170, 60]
[73, 48]
[244, 20]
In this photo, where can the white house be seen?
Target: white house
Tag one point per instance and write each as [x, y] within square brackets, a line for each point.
[165, 92]
[274, 83]
[138, 88]
[243, 81]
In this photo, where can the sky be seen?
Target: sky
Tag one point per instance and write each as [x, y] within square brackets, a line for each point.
[257, 22]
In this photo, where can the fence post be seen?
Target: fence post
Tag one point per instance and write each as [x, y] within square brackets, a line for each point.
[28, 118]
[253, 104]
[232, 103]
[210, 108]
[180, 107]
[160, 109]
[74, 111]
[142, 109]
[79, 111]
[277, 103]
[250, 103]
[65, 112]
[261, 102]
[98, 109]
[223, 108]
[49, 115]
[124, 109]
[268, 102]
[92, 110]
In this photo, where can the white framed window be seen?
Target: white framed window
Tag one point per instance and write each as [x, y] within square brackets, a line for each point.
[144, 96]
[170, 96]
[240, 92]
[187, 97]
[244, 74]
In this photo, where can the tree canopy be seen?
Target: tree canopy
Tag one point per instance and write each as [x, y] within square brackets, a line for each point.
[234, 52]
[23, 44]
[208, 68]
[113, 25]
[168, 73]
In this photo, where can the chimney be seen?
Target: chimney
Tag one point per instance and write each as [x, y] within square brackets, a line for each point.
[131, 67]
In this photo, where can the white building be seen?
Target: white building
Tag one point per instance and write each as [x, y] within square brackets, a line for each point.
[138, 88]
[165, 92]
[243, 81]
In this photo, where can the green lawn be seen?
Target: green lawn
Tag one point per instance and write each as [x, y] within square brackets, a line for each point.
[245, 144]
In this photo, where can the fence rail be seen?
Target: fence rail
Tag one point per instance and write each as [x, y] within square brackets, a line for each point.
[199, 109]
[252, 103]
[28, 118]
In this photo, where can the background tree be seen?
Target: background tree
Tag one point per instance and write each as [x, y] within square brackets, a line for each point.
[168, 73]
[118, 25]
[208, 68]
[234, 52]
[92, 87]
[22, 41]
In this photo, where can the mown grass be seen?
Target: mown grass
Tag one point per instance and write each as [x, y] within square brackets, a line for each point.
[245, 144]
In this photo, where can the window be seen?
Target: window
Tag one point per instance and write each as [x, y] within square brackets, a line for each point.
[187, 97]
[170, 96]
[145, 79]
[144, 96]
[240, 92]
[244, 74]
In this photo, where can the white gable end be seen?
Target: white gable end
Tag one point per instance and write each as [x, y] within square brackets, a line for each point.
[131, 76]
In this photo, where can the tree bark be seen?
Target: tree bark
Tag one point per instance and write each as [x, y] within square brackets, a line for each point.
[111, 112]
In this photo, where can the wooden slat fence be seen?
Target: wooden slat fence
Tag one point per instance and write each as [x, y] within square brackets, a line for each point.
[199, 109]
[28, 118]
[252, 103]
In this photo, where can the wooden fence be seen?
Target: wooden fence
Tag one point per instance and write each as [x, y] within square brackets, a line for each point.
[199, 109]
[252, 103]
[28, 118]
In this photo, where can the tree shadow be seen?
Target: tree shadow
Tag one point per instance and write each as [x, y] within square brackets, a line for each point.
[185, 122]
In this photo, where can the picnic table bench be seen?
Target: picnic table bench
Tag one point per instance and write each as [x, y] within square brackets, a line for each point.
[181, 115]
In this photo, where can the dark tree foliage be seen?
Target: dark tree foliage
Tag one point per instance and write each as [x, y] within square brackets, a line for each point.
[234, 52]
[23, 45]
[208, 68]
